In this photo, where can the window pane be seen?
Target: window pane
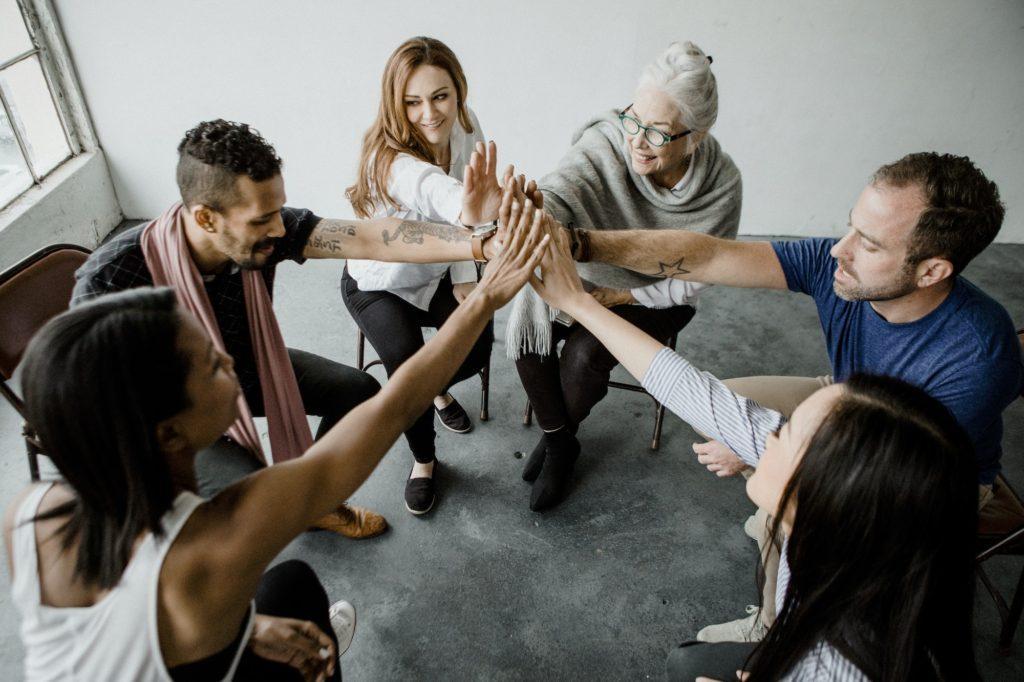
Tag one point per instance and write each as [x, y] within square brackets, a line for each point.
[35, 115]
[14, 175]
[14, 38]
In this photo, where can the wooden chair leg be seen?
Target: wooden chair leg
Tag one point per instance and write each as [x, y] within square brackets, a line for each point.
[1013, 617]
[528, 414]
[485, 391]
[659, 421]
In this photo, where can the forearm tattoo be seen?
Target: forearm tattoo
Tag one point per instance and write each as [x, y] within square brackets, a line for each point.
[413, 232]
[666, 270]
[328, 236]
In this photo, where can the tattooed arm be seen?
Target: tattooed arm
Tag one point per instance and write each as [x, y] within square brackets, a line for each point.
[690, 256]
[392, 239]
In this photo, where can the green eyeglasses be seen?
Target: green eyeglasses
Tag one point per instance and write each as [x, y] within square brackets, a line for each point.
[654, 137]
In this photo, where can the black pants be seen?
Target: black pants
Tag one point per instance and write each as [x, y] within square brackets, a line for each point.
[288, 590]
[328, 389]
[563, 389]
[394, 327]
[719, 661]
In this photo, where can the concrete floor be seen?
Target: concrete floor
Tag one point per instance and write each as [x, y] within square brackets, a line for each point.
[647, 549]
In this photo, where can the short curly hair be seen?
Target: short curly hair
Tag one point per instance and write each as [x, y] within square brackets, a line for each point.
[213, 154]
[964, 211]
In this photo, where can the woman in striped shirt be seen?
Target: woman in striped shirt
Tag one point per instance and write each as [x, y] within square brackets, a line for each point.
[872, 486]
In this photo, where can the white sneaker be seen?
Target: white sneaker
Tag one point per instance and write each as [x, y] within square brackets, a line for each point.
[749, 629]
[343, 622]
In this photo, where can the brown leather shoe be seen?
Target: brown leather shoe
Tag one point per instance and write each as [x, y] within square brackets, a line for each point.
[357, 523]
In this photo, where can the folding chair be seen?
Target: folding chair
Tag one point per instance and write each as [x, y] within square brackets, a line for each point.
[31, 292]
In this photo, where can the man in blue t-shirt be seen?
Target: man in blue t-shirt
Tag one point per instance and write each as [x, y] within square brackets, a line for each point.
[890, 298]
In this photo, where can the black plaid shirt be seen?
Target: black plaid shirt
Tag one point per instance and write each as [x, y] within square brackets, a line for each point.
[119, 264]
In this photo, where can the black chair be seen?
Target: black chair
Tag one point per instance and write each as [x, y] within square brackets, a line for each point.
[485, 373]
[31, 293]
[659, 409]
[1001, 533]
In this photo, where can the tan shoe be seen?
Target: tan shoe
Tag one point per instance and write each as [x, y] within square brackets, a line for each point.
[357, 523]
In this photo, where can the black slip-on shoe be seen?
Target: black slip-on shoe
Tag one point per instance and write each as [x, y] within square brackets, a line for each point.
[421, 493]
[454, 418]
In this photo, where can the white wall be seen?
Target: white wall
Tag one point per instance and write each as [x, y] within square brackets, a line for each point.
[815, 94]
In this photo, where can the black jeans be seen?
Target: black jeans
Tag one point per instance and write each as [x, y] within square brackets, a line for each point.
[288, 590]
[719, 661]
[394, 327]
[563, 389]
[329, 390]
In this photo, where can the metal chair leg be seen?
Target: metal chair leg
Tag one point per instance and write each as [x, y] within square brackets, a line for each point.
[360, 349]
[33, 456]
[659, 420]
[528, 414]
[485, 391]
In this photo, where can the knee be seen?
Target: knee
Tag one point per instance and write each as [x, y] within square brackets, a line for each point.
[290, 584]
[364, 387]
[584, 355]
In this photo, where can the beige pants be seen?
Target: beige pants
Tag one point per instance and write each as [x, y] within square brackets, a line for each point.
[783, 394]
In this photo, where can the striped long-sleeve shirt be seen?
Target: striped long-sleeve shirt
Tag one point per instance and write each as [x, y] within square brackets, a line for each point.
[707, 404]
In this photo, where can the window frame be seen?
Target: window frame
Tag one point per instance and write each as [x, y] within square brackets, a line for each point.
[47, 45]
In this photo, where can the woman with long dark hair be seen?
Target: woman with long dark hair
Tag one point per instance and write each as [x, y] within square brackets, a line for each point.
[121, 570]
[872, 484]
[416, 165]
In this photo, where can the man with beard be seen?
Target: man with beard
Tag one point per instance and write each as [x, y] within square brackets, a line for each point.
[891, 301]
[219, 249]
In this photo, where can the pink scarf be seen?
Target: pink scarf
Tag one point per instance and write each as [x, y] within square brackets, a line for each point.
[170, 262]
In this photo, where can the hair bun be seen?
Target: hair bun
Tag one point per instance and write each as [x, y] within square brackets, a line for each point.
[686, 57]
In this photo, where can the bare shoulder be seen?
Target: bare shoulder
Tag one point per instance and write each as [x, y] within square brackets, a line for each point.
[59, 494]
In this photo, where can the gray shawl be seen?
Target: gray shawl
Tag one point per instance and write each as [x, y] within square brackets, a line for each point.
[596, 188]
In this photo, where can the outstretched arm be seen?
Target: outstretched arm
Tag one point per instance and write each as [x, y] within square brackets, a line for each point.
[697, 397]
[689, 255]
[251, 521]
[411, 241]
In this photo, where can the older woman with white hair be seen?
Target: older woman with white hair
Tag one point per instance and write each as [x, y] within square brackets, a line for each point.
[654, 165]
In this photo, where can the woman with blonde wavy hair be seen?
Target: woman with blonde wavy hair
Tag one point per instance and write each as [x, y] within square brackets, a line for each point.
[415, 164]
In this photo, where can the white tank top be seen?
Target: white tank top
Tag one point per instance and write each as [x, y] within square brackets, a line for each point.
[115, 638]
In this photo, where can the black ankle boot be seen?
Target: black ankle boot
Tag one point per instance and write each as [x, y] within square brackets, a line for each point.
[555, 476]
[535, 461]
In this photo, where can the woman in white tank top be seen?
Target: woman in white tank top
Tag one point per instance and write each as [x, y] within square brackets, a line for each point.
[121, 571]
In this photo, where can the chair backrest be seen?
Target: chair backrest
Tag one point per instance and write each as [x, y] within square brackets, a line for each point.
[31, 292]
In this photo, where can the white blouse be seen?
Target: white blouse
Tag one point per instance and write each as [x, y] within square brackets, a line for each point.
[424, 193]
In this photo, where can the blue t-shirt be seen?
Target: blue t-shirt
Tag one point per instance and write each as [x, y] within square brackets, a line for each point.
[964, 353]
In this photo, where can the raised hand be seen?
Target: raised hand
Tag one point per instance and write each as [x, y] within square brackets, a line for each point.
[515, 189]
[481, 191]
[559, 283]
[525, 245]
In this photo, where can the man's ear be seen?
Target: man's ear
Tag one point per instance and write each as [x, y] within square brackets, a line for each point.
[169, 436]
[931, 271]
[205, 217]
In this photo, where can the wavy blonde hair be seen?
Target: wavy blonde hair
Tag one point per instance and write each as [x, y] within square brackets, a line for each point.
[391, 133]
